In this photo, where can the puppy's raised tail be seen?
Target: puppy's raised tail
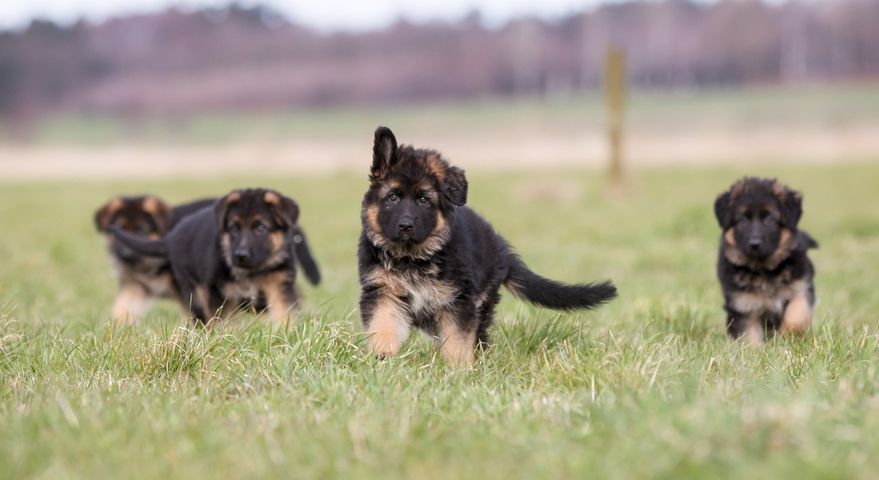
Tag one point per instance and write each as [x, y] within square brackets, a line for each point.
[141, 245]
[549, 293]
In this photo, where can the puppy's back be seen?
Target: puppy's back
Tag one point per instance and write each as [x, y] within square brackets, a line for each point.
[193, 244]
[180, 212]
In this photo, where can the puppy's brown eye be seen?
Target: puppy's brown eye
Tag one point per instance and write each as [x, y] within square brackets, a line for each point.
[423, 200]
[233, 227]
[393, 198]
[260, 229]
[764, 214]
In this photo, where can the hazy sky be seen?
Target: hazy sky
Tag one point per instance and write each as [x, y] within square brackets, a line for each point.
[323, 14]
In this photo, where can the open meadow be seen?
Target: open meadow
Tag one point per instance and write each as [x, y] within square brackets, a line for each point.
[648, 386]
[792, 125]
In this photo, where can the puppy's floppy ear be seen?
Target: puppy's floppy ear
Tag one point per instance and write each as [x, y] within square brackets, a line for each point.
[791, 203]
[384, 152]
[454, 187]
[159, 210]
[105, 213]
[284, 210]
[723, 210]
[221, 207]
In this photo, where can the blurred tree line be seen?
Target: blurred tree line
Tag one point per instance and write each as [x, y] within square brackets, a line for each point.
[176, 63]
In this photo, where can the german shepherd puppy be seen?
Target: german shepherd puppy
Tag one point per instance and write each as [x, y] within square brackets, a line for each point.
[428, 261]
[240, 252]
[763, 266]
[141, 279]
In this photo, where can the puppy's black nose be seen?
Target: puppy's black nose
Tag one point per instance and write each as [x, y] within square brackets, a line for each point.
[241, 255]
[405, 225]
[755, 244]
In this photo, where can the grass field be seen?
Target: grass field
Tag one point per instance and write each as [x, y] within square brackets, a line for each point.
[647, 387]
[827, 106]
[815, 124]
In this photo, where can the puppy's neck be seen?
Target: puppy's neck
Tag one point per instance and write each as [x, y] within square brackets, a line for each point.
[393, 252]
[407, 264]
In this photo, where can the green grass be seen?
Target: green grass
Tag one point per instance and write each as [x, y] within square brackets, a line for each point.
[647, 387]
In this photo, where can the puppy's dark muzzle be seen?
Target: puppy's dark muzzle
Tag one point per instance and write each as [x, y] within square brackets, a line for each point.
[242, 258]
[404, 229]
[405, 226]
[756, 248]
[755, 245]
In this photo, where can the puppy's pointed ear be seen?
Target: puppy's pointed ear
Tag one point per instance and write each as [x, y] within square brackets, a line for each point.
[159, 210]
[454, 187]
[221, 208]
[723, 210]
[284, 210]
[791, 202]
[384, 153]
[104, 214]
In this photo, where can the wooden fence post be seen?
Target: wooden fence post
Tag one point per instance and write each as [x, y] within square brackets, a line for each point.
[615, 102]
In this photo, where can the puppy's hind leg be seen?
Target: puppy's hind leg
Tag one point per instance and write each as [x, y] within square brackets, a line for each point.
[485, 305]
[457, 338]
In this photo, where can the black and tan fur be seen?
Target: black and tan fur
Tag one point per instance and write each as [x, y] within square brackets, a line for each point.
[142, 279]
[763, 266]
[428, 261]
[241, 252]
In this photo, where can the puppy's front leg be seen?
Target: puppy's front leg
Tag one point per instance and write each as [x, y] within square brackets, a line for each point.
[748, 326]
[386, 321]
[280, 295]
[457, 341]
[797, 316]
[132, 301]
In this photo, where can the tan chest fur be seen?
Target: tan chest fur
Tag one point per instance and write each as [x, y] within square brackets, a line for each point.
[423, 293]
[243, 289]
[160, 286]
[157, 285]
[769, 297]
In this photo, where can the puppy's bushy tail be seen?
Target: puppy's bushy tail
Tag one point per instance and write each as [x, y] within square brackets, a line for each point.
[141, 245]
[549, 293]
